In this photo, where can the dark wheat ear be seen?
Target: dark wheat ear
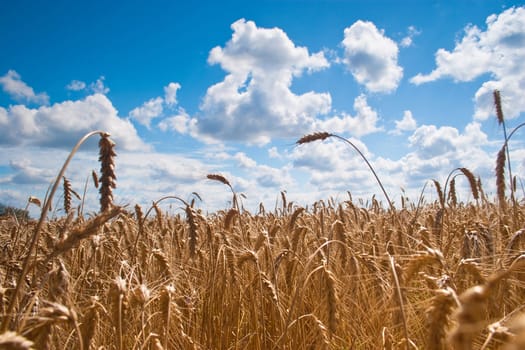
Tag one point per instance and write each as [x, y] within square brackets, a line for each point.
[68, 191]
[67, 195]
[472, 182]
[439, 191]
[95, 178]
[452, 192]
[499, 109]
[313, 137]
[220, 178]
[107, 169]
[191, 219]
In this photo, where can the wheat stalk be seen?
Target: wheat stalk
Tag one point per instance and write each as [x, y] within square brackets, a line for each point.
[500, 176]
[324, 135]
[399, 299]
[38, 228]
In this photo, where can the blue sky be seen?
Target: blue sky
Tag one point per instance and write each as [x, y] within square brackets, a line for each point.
[228, 87]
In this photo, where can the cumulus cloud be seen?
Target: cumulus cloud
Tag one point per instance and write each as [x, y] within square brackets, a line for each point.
[499, 51]
[255, 175]
[98, 86]
[363, 123]
[154, 108]
[170, 93]
[273, 152]
[408, 40]
[181, 123]
[149, 110]
[25, 173]
[437, 151]
[254, 102]
[13, 85]
[407, 123]
[62, 124]
[76, 85]
[371, 57]
[431, 141]
[244, 161]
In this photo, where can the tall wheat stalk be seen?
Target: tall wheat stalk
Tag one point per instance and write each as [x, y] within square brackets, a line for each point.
[321, 136]
[36, 234]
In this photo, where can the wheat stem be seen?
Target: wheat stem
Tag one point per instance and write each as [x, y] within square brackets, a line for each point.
[36, 233]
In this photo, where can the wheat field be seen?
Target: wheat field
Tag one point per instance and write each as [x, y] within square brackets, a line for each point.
[333, 275]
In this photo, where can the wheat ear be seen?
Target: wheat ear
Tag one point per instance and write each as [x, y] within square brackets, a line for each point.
[438, 315]
[452, 193]
[14, 341]
[439, 191]
[89, 324]
[192, 223]
[107, 169]
[331, 298]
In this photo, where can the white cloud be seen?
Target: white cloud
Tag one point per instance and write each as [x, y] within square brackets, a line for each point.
[273, 152]
[170, 93]
[365, 121]
[3, 117]
[30, 170]
[439, 150]
[446, 141]
[25, 173]
[149, 110]
[19, 90]
[98, 86]
[408, 123]
[254, 102]
[76, 85]
[408, 40]
[154, 108]
[499, 51]
[276, 178]
[63, 124]
[371, 57]
[181, 123]
[244, 160]
[255, 176]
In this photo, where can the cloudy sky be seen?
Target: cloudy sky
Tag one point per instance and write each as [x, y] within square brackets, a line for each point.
[192, 88]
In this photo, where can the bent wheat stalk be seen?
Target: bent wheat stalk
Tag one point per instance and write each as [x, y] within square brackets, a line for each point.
[38, 229]
[324, 135]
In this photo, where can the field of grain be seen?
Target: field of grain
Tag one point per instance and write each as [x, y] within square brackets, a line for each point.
[345, 275]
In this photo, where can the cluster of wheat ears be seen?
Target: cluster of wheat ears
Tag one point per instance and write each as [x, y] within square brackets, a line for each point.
[436, 275]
